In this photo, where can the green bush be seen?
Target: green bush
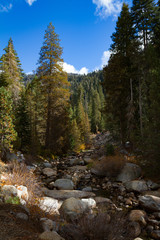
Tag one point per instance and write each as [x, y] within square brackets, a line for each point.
[13, 200]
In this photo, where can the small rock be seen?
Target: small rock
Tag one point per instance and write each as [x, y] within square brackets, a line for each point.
[87, 189]
[155, 234]
[64, 184]
[50, 236]
[22, 216]
[135, 229]
[90, 202]
[138, 216]
[49, 172]
[48, 204]
[136, 185]
[49, 225]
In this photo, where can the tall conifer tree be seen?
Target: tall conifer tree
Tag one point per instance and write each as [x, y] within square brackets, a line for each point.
[55, 89]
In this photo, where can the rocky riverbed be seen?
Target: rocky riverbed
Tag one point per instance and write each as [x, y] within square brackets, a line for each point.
[82, 194]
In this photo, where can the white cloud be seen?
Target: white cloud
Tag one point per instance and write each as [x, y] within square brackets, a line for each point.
[30, 2]
[107, 8]
[5, 8]
[71, 69]
[105, 58]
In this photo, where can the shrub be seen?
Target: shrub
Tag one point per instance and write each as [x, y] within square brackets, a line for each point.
[99, 227]
[19, 174]
[13, 200]
[110, 166]
[110, 150]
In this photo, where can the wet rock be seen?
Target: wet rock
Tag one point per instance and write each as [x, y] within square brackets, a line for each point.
[136, 185]
[64, 184]
[151, 185]
[129, 172]
[64, 194]
[150, 203]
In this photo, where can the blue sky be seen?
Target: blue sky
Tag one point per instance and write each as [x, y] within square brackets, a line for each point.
[84, 27]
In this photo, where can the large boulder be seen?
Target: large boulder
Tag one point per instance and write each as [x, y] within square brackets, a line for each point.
[136, 186]
[72, 208]
[48, 204]
[64, 194]
[64, 184]
[129, 172]
[150, 202]
[49, 172]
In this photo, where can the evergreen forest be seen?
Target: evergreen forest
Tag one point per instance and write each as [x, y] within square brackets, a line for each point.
[51, 112]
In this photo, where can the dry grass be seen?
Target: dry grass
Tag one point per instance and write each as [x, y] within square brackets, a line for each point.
[18, 174]
[99, 227]
[110, 165]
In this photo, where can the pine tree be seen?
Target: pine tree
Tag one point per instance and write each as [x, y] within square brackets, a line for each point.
[11, 71]
[55, 89]
[119, 74]
[23, 126]
[7, 131]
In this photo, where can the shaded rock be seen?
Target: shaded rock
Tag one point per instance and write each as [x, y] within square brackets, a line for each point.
[49, 225]
[50, 236]
[102, 200]
[22, 216]
[64, 184]
[47, 165]
[74, 161]
[135, 229]
[155, 234]
[136, 185]
[138, 216]
[11, 157]
[49, 172]
[78, 168]
[48, 204]
[9, 190]
[72, 208]
[64, 194]
[87, 160]
[129, 172]
[150, 203]
[152, 193]
[152, 185]
[87, 189]
[90, 202]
